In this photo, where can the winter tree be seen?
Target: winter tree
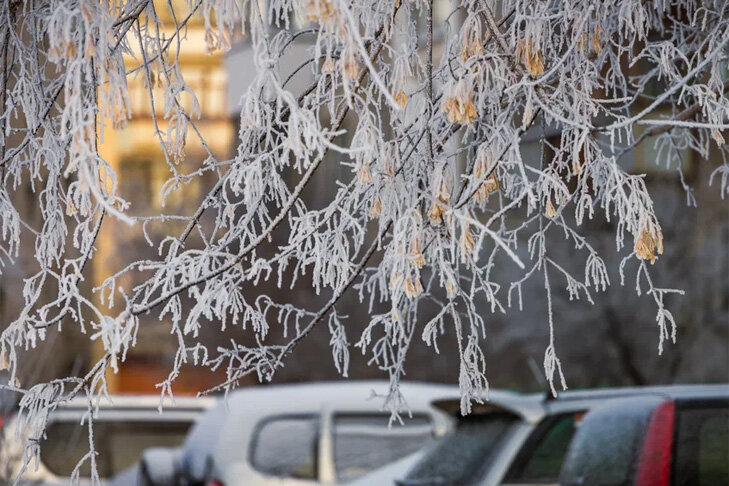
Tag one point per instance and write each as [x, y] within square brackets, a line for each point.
[438, 193]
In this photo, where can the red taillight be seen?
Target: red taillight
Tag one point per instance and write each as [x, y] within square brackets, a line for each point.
[654, 468]
[215, 482]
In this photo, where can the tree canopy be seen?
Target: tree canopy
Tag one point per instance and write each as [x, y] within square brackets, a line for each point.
[427, 105]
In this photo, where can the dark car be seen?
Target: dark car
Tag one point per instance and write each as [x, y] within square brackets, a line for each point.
[678, 438]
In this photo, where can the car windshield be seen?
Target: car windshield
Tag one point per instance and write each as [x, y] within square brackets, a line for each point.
[463, 456]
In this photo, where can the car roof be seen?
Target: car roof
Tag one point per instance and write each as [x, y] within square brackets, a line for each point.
[132, 408]
[137, 402]
[533, 406]
[341, 395]
[672, 391]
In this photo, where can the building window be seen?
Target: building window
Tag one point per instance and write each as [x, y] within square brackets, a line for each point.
[136, 184]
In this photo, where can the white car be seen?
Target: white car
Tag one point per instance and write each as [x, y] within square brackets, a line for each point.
[296, 435]
[122, 429]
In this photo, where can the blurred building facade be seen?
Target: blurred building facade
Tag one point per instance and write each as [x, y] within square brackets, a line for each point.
[135, 153]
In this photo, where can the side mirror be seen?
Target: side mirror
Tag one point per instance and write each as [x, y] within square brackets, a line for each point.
[159, 466]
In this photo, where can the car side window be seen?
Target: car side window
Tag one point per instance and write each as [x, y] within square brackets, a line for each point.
[365, 442]
[287, 447]
[702, 445]
[118, 444]
[541, 457]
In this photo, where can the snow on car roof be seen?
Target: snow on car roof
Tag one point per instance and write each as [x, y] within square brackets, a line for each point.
[676, 391]
[342, 394]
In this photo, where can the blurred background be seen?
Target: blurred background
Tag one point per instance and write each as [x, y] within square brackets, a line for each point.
[613, 342]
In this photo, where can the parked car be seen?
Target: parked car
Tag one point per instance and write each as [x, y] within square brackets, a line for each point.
[122, 429]
[520, 442]
[300, 435]
[672, 437]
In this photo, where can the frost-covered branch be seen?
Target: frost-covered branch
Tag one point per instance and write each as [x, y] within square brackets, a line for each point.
[433, 109]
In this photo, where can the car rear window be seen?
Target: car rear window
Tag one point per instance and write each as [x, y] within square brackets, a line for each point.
[287, 447]
[461, 457]
[364, 442]
[118, 444]
[541, 457]
[702, 444]
[603, 452]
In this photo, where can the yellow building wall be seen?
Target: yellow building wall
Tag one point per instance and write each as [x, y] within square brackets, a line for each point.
[205, 74]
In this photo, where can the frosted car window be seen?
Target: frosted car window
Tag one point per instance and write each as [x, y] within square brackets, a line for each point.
[287, 447]
[461, 457]
[363, 443]
[606, 446]
[118, 444]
